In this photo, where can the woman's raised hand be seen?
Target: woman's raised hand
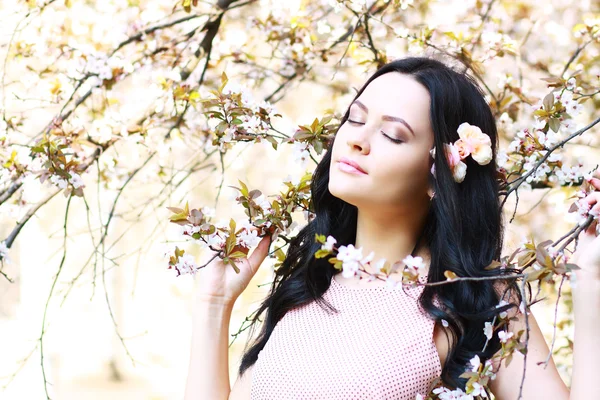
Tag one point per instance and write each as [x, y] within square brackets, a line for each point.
[218, 282]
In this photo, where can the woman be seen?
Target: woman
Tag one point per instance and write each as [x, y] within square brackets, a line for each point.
[379, 188]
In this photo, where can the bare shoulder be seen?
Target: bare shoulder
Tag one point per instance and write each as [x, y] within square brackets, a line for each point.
[241, 388]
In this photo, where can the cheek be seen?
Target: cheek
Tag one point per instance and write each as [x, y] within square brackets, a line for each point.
[402, 173]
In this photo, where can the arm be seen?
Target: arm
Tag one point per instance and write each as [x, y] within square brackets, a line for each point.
[539, 383]
[586, 349]
[208, 374]
[546, 383]
[218, 288]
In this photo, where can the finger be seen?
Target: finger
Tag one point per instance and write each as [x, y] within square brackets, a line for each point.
[259, 254]
[595, 182]
[591, 230]
[591, 199]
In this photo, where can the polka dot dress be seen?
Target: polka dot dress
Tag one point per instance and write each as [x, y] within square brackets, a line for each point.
[379, 346]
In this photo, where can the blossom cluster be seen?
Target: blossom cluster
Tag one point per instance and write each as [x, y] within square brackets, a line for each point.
[235, 115]
[230, 240]
[473, 142]
[553, 123]
[351, 261]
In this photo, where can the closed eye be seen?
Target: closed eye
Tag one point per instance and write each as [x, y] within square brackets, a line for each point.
[384, 134]
[355, 122]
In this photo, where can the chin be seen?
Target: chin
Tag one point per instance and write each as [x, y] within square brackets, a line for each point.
[348, 193]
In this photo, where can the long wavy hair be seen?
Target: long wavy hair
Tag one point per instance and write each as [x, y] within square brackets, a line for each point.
[463, 230]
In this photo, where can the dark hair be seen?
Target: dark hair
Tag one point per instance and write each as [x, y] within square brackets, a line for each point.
[463, 230]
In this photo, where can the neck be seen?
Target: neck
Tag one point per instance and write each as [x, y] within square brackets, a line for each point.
[390, 235]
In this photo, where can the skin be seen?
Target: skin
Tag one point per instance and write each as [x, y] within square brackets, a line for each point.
[391, 198]
[392, 202]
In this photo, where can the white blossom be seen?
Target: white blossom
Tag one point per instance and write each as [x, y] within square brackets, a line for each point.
[502, 303]
[378, 266]
[504, 336]
[249, 238]
[416, 264]
[488, 330]
[478, 390]
[263, 203]
[186, 265]
[539, 124]
[208, 212]
[329, 243]
[300, 153]
[215, 241]
[189, 229]
[58, 181]
[475, 363]
[76, 180]
[446, 394]
[350, 258]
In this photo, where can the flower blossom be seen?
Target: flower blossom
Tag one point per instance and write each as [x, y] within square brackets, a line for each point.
[249, 238]
[351, 258]
[488, 330]
[504, 336]
[329, 243]
[186, 265]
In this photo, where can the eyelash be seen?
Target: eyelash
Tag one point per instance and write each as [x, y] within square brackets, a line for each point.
[384, 134]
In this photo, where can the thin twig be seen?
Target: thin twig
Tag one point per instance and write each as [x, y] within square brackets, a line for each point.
[62, 262]
[523, 296]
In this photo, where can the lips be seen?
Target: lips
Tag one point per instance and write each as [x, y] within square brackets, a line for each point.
[350, 166]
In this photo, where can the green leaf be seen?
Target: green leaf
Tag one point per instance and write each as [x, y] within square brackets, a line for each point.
[315, 125]
[224, 81]
[321, 253]
[273, 141]
[235, 267]
[238, 254]
[571, 267]
[230, 243]
[280, 255]
[318, 146]
[320, 238]
[548, 101]
[302, 135]
[244, 188]
[182, 215]
[535, 275]
[554, 124]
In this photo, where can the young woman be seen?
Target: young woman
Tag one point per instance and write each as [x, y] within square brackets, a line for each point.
[328, 337]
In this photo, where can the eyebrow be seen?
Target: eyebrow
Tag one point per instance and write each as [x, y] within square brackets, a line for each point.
[386, 117]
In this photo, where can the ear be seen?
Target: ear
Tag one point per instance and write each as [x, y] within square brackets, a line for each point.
[430, 193]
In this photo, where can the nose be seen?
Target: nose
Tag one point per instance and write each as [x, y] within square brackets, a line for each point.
[359, 140]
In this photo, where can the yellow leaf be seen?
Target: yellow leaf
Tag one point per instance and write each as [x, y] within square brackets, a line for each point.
[182, 216]
[450, 275]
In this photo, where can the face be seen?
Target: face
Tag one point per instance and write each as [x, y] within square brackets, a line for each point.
[387, 137]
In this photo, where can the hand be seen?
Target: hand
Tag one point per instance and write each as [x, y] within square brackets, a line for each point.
[218, 282]
[587, 255]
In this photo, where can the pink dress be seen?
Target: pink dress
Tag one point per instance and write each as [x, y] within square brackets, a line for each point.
[379, 346]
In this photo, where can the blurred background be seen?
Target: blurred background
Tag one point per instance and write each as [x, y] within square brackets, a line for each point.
[85, 290]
